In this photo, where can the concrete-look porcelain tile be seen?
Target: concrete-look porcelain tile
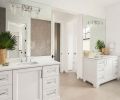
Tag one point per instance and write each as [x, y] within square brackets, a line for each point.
[73, 89]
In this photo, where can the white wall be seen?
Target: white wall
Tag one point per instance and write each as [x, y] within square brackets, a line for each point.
[86, 7]
[113, 27]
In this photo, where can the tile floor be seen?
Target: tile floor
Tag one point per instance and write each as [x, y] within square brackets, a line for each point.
[73, 89]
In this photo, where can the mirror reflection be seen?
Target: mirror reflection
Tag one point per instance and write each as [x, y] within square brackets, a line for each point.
[19, 30]
[93, 30]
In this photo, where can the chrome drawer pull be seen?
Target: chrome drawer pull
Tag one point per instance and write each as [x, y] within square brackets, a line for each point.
[54, 70]
[3, 93]
[2, 79]
[51, 81]
[51, 93]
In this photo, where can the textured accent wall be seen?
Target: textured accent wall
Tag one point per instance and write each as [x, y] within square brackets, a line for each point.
[57, 41]
[40, 37]
[2, 19]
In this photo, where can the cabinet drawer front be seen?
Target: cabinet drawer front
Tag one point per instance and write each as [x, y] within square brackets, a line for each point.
[100, 74]
[100, 67]
[50, 93]
[8, 98]
[101, 62]
[101, 80]
[100, 77]
[115, 65]
[5, 92]
[50, 70]
[50, 82]
[5, 78]
[115, 62]
[115, 58]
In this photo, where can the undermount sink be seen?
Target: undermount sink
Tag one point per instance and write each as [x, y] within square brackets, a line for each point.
[29, 63]
[25, 63]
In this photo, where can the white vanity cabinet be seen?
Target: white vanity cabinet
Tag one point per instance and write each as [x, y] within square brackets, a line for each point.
[51, 82]
[100, 70]
[6, 85]
[30, 82]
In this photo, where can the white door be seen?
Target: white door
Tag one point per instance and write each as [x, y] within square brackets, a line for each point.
[63, 49]
[78, 43]
[27, 84]
[75, 53]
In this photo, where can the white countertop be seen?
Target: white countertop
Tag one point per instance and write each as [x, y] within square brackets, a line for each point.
[14, 66]
[100, 57]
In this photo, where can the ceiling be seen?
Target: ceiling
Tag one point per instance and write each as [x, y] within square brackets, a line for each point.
[103, 3]
[88, 7]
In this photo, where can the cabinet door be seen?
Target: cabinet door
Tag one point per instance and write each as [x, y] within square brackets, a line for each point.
[108, 70]
[115, 68]
[27, 84]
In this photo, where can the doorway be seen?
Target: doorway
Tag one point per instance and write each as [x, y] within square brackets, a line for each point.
[57, 42]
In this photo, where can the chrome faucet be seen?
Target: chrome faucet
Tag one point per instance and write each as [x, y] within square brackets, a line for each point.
[21, 60]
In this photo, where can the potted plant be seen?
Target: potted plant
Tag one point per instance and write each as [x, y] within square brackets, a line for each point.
[100, 45]
[7, 42]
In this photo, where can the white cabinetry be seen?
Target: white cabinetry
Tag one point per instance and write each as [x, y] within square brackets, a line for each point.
[51, 83]
[100, 70]
[27, 84]
[30, 83]
[6, 85]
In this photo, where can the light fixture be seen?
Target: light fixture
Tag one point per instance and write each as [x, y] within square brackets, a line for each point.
[23, 7]
[27, 8]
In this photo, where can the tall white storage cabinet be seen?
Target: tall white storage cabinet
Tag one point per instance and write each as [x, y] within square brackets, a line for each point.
[100, 70]
[27, 84]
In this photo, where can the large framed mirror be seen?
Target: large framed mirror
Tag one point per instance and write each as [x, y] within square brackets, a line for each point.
[19, 30]
[40, 37]
[93, 29]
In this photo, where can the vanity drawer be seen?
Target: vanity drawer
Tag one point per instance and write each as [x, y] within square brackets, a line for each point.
[115, 58]
[115, 65]
[50, 82]
[50, 70]
[100, 74]
[115, 62]
[50, 94]
[5, 92]
[100, 77]
[8, 99]
[99, 62]
[101, 80]
[100, 67]
[5, 78]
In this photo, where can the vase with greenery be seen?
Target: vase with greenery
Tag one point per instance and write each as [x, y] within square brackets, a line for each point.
[7, 42]
[100, 45]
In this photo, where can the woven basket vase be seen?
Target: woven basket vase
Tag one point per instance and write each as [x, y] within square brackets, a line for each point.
[3, 56]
